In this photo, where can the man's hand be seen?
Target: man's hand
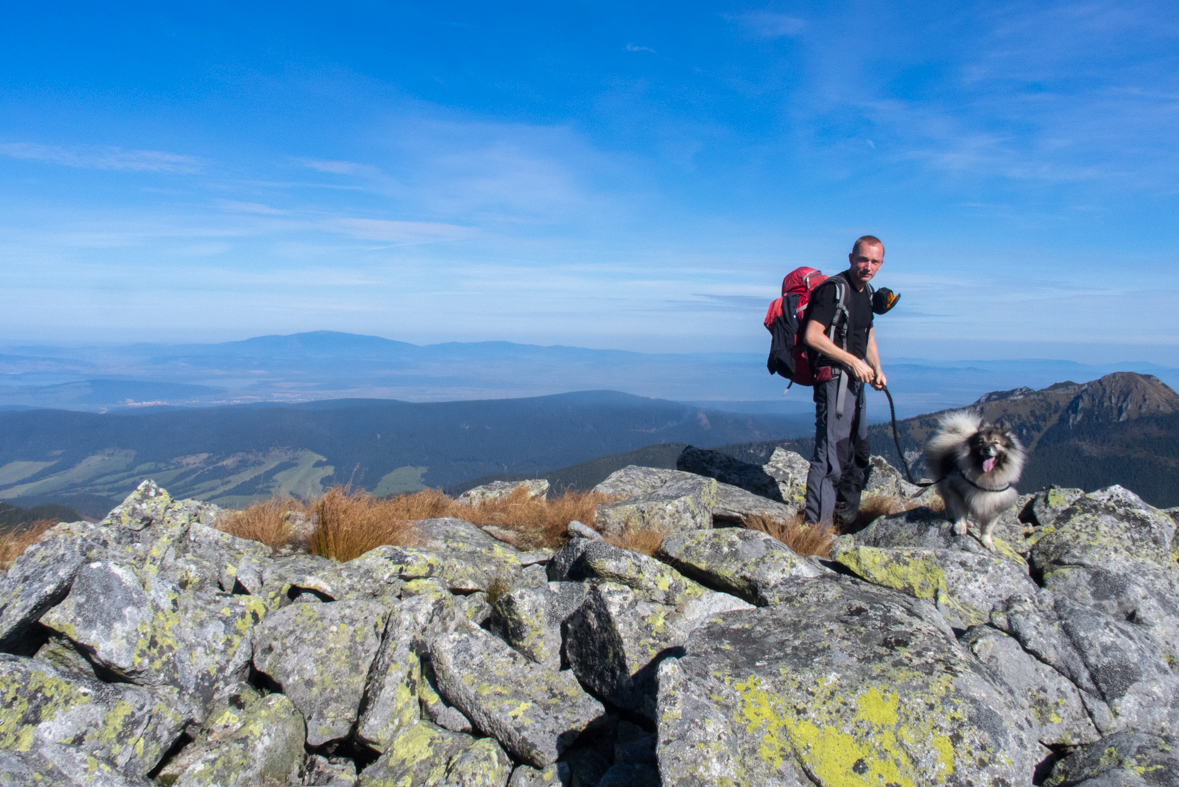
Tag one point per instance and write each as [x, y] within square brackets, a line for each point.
[862, 371]
[879, 380]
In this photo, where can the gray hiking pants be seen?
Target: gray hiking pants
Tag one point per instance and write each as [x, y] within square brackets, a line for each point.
[839, 466]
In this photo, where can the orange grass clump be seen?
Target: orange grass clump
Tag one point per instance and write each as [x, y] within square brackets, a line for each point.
[267, 523]
[645, 542]
[349, 524]
[803, 539]
[14, 542]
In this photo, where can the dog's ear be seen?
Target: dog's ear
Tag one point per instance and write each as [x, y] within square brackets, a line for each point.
[1001, 424]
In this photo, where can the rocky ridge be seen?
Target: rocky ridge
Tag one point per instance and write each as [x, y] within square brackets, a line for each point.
[153, 648]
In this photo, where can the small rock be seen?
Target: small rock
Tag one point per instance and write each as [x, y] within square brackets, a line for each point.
[746, 563]
[536, 488]
[669, 501]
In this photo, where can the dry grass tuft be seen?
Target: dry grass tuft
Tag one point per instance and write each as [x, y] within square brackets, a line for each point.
[645, 542]
[266, 523]
[349, 524]
[352, 523]
[536, 522]
[793, 533]
[14, 542]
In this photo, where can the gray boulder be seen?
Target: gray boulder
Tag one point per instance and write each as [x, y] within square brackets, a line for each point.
[652, 580]
[1121, 672]
[1111, 552]
[1053, 702]
[41, 577]
[845, 684]
[391, 702]
[152, 633]
[418, 757]
[527, 776]
[963, 585]
[667, 501]
[533, 712]
[617, 639]
[735, 505]
[259, 744]
[729, 471]
[320, 654]
[1048, 503]
[1126, 759]
[923, 528]
[789, 470]
[470, 558]
[238, 561]
[745, 563]
[52, 764]
[124, 728]
[482, 764]
[535, 487]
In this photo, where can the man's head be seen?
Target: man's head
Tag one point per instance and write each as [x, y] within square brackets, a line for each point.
[866, 257]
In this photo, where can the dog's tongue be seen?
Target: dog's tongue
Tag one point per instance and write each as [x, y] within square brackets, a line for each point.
[989, 465]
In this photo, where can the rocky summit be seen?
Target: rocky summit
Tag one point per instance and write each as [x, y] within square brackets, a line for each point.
[153, 648]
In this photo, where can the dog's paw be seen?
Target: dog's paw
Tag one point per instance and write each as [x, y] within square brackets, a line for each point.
[989, 542]
[960, 527]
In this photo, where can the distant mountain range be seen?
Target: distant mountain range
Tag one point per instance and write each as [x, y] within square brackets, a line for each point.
[1120, 429]
[237, 454]
[326, 365]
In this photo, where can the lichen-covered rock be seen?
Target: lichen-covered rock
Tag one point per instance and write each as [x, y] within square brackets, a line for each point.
[884, 480]
[152, 633]
[789, 470]
[41, 577]
[391, 700]
[652, 580]
[1121, 760]
[236, 560]
[125, 726]
[54, 765]
[1053, 702]
[667, 501]
[923, 528]
[729, 471]
[482, 764]
[617, 639]
[470, 558]
[525, 619]
[1048, 503]
[844, 684]
[527, 776]
[1127, 759]
[963, 585]
[1120, 670]
[142, 508]
[535, 488]
[735, 505]
[1111, 552]
[418, 756]
[745, 563]
[320, 654]
[259, 744]
[434, 709]
[533, 712]
[329, 772]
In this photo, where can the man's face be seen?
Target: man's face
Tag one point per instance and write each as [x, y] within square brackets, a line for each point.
[865, 261]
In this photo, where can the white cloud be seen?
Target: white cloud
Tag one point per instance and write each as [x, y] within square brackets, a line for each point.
[401, 232]
[111, 158]
[637, 48]
[340, 167]
[768, 24]
[250, 207]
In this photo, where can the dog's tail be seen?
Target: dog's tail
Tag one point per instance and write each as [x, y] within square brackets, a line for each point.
[953, 430]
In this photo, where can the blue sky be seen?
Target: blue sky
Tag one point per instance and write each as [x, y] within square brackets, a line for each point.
[599, 175]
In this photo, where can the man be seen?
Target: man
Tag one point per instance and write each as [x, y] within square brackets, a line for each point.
[847, 358]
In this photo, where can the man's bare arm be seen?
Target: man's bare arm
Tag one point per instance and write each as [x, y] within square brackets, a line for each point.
[816, 338]
[872, 355]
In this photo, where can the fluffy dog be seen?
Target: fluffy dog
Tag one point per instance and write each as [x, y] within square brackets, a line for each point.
[975, 464]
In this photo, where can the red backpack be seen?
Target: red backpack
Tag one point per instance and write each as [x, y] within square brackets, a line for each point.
[784, 321]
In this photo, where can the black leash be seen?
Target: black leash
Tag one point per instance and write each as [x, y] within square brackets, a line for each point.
[896, 439]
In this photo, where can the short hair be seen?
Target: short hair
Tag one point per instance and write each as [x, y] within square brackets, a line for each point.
[871, 240]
